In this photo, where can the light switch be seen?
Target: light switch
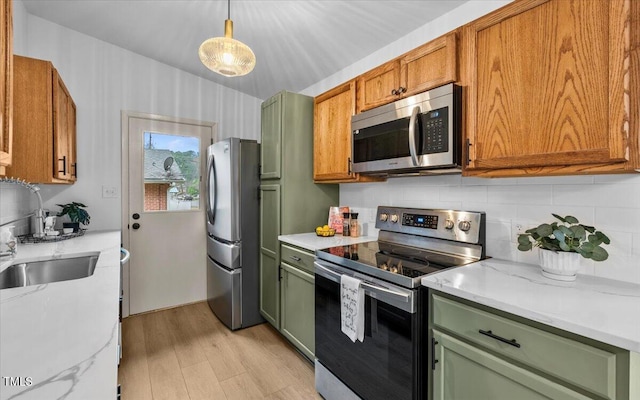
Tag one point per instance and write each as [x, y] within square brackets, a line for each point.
[109, 191]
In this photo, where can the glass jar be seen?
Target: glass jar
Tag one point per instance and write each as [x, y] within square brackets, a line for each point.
[345, 224]
[354, 229]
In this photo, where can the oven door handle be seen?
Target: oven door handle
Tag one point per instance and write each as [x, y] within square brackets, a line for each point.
[335, 276]
[412, 135]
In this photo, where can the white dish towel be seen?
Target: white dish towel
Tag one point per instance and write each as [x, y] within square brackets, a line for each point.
[352, 308]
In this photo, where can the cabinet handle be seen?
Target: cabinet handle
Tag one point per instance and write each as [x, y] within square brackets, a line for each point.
[394, 92]
[75, 170]
[294, 258]
[434, 342]
[511, 342]
[64, 165]
[349, 165]
[402, 90]
[468, 160]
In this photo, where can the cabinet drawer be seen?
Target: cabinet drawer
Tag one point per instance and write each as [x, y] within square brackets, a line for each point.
[297, 258]
[582, 365]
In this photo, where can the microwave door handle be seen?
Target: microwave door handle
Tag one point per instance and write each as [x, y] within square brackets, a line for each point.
[412, 135]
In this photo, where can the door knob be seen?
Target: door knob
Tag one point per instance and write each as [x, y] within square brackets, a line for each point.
[135, 216]
[135, 226]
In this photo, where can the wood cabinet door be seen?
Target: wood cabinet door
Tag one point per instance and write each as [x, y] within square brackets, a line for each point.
[332, 133]
[63, 129]
[430, 65]
[270, 254]
[378, 86]
[548, 84]
[271, 143]
[6, 83]
[298, 308]
[463, 371]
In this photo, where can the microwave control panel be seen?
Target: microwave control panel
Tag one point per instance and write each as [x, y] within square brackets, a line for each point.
[435, 128]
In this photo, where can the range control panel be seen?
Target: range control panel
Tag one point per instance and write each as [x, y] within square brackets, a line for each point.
[420, 220]
[462, 226]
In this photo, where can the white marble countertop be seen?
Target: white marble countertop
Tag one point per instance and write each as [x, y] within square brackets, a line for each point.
[600, 309]
[313, 242]
[63, 335]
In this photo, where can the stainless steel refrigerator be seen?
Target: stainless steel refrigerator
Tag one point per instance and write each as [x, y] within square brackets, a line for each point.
[232, 228]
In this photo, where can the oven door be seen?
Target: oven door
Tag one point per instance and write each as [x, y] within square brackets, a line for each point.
[388, 363]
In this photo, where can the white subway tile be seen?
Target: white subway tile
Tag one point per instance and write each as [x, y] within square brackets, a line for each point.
[607, 195]
[625, 179]
[460, 193]
[523, 194]
[498, 230]
[556, 180]
[540, 214]
[622, 219]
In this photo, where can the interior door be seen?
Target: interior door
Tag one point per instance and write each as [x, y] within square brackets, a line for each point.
[166, 235]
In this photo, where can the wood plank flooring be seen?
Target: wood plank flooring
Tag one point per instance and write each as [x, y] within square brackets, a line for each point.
[186, 353]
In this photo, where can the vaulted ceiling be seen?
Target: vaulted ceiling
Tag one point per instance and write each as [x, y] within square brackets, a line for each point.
[297, 42]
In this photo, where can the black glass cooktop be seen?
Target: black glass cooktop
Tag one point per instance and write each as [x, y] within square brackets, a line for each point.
[390, 261]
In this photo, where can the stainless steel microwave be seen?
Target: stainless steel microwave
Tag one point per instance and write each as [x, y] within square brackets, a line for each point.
[420, 134]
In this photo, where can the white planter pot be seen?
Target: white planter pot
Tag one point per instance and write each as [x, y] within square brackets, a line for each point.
[561, 265]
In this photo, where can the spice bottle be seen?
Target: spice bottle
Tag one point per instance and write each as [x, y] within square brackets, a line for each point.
[354, 229]
[345, 224]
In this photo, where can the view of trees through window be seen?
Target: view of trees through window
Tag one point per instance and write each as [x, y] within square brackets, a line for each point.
[171, 172]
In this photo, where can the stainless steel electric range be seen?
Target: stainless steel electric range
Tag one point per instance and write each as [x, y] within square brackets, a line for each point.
[391, 362]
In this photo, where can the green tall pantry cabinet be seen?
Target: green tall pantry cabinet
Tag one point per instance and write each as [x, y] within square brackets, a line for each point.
[289, 200]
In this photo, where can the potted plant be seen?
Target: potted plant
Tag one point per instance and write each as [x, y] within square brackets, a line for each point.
[562, 243]
[76, 214]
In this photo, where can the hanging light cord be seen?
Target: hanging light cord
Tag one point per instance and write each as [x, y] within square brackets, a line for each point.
[228, 9]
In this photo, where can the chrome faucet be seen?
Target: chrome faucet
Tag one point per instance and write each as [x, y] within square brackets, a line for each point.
[39, 213]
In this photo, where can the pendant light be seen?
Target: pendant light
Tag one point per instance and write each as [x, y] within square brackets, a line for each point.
[225, 55]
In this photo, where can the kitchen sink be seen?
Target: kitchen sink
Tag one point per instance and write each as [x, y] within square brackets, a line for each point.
[47, 271]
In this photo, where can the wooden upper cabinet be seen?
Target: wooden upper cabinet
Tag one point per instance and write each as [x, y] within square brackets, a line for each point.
[379, 86]
[64, 117]
[428, 66]
[44, 118]
[548, 84]
[332, 135]
[6, 83]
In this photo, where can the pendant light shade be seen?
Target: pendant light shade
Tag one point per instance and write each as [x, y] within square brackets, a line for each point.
[225, 55]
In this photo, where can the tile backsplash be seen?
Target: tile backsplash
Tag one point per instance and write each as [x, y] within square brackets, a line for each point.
[609, 202]
[15, 202]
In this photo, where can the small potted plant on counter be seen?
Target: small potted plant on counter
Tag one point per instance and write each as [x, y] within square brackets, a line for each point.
[562, 243]
[77, 214]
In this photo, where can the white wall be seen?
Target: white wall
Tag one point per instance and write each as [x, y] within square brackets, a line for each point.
[103, 80]
[611, 203]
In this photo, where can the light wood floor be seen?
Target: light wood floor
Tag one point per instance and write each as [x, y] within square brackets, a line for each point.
[187, 353]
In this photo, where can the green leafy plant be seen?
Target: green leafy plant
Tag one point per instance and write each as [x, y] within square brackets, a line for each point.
[75, 212]
[566, 235]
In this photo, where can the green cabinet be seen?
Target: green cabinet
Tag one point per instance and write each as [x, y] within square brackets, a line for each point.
[465, 372]
[298, 205]
[481, 353]
[298, 308]
[269, 253]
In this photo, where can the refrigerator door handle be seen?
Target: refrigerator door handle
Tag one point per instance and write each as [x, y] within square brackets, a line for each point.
[211, 194]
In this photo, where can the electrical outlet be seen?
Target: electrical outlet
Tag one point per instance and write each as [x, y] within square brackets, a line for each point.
[518, 226]
[109, 191]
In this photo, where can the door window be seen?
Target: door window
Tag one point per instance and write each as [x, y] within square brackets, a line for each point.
[171, 172]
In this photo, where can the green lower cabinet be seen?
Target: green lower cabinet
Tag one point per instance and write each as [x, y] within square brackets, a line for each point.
[465, 372]
[297, 315]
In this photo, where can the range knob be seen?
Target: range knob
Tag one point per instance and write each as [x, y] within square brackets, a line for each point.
[384, 217]
[464, 226]
[448, 224]
[394, 218]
